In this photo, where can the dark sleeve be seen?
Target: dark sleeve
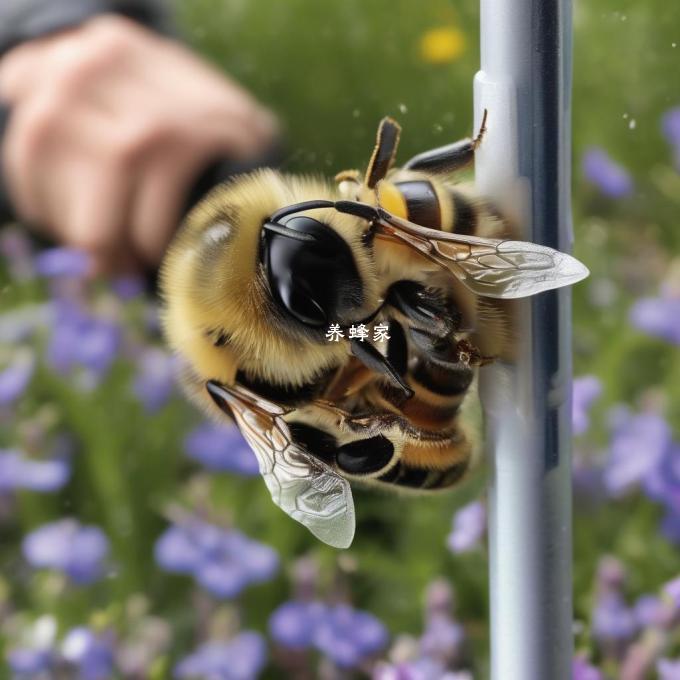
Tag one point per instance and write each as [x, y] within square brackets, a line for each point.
[22, 20]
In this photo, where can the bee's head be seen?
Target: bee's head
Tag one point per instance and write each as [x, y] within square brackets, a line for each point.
[311, 269]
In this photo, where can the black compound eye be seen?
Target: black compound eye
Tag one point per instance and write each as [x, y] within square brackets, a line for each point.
[301, 304]
[313, 276]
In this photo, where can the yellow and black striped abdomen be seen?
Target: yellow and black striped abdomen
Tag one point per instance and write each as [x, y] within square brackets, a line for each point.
[416, 200]
[430, 204]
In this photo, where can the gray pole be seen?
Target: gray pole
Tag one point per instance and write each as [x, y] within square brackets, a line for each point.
[523, 164]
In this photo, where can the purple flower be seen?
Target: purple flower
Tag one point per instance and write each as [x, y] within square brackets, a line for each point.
[668, 669]
[582, 670]
[587, 477]
[670, 126]
[469, 524]
[62, 262]
[613, 621]
[423, 668]
[15, 378]
[611, 575]
[671, 590]
[81, 339]
[87, 656]
[670, 526]
[438, 598]
[128, 287]
[659, 317]
[29, 663]
[221, 447]
[348, 636]
[222, 561]
[585, 390]
[638, 444]
[155, 380]
[242, 658]
[663, 482]
[648, 611]
[66, 545]
[293, 624]
[609, 177]
[90, 653]
[400, 671]
[17, 472]
[442, 639]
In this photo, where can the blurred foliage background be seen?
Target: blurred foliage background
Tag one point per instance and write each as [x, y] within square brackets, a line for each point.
[331, 71]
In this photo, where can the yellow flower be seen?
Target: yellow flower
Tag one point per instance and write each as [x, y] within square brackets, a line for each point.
[442, 45]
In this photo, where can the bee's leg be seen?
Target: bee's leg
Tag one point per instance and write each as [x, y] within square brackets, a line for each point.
[423, 308]
[370, 450]
[397, 348]
[370, 357]
[431, 465]
[437, 350]
[449, 158]
[384, 151]
[365, 456]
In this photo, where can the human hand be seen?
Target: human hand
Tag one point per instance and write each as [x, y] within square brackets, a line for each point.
[110, 126]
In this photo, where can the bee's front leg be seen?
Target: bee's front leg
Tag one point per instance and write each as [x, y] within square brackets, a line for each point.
[424, 309]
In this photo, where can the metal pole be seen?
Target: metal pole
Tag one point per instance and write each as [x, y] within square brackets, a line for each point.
[523, 164]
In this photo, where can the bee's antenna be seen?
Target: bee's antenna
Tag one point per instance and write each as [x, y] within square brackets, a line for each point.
[273, 223]
[363, 210]
[299, 207]
[283, 230]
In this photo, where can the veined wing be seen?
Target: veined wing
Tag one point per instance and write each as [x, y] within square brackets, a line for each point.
[303, 486]
[489, 267]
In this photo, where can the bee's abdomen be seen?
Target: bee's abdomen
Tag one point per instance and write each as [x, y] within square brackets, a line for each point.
[426, 415]
[415, 477]
[448, 381]
[464, 214]
[421, 203]
[437, 207]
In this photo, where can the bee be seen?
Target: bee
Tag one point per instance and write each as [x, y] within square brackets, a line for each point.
[268, 261]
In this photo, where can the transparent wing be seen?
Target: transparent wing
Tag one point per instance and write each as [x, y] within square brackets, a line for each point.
[304, 487]
[489, 267]
[519, 269]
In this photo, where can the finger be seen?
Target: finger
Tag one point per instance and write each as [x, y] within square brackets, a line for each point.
[18, 71]
[26, 67]
[46, 141]
[96, 219]
[158, 201]
[239, 136]
[25, 147]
